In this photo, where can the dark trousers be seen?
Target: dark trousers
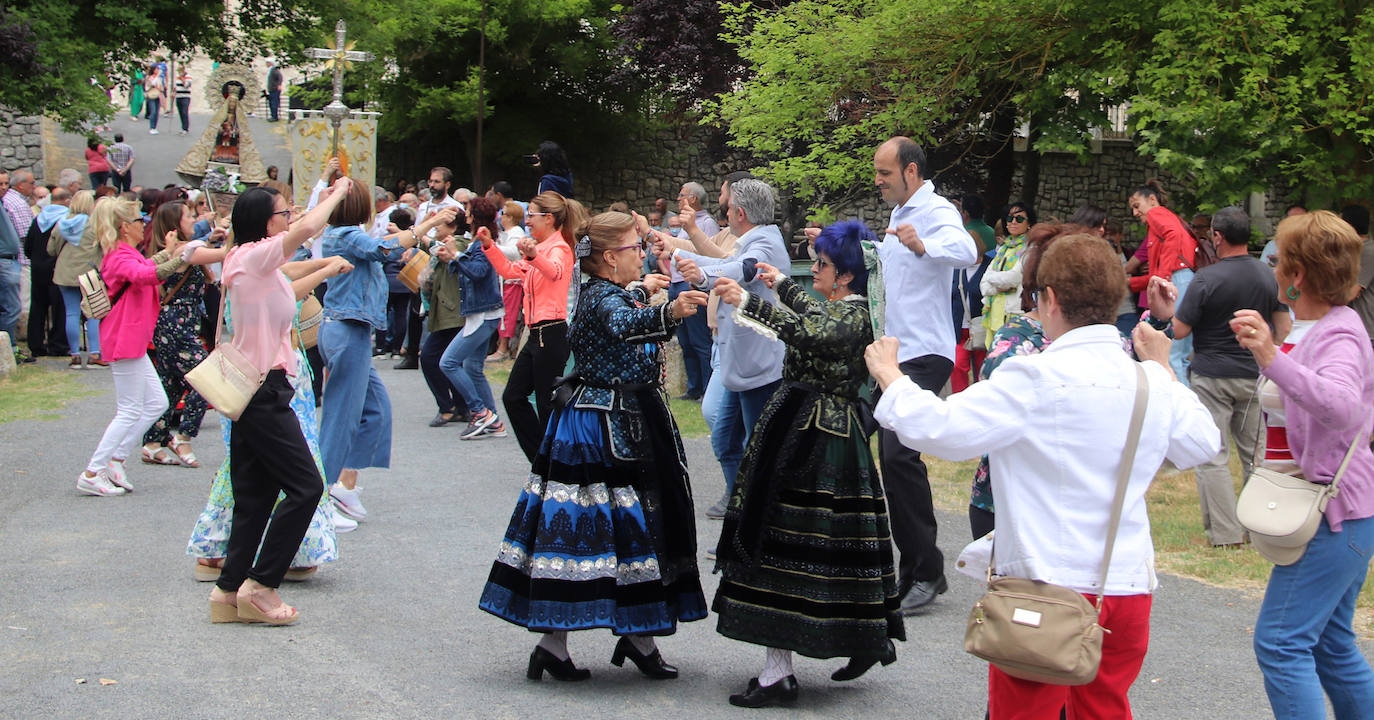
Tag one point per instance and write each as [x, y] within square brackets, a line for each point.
[47, 314]
[538, 364]
[397, 319]
[910, 508]
[122, 182]
[415, 326]
[273, 103]
[267, 456]
[694, 336]
[99, 178]
[184, 111]
[445, 395]
[211, 319]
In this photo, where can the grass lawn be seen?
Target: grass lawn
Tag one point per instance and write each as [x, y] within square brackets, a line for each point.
[687, 413]
[1176, 524]
[35, 392]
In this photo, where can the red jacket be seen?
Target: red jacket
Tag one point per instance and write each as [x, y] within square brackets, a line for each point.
[127, 330]
[1171, 247]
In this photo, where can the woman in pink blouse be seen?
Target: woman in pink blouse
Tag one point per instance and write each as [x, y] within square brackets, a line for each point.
[132, 282]
[268, 453]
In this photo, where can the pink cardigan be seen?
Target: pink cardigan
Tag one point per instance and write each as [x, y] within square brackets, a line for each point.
[127, 330]
[1327, 385]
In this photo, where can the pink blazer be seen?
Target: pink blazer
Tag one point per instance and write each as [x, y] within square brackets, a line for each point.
[127, 330]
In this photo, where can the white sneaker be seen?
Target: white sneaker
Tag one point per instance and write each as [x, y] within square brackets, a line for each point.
[100, 485]
[152, 131]
[348, 502]
[342, 523]
[115, 472]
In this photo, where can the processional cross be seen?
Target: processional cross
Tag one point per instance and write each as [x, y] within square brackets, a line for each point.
[339, 56]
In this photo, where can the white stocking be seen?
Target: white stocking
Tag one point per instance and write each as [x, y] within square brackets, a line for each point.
[776, 666]
[643, 644]
[555, 643]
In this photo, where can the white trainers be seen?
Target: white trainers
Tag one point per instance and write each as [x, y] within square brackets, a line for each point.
[348, 501]
[115, 472]
[152, 131]
[99, 485]
[342, 523]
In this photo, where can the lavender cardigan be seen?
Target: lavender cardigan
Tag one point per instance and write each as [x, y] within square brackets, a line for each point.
[1327, 384]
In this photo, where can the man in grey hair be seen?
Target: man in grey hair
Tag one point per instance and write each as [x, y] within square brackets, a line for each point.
[750, 364]
[694, 337]
[13, 228]
[70, 179]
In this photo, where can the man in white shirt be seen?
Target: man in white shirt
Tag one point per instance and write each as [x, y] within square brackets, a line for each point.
[382, 205]
[925, 242]
[440, 178]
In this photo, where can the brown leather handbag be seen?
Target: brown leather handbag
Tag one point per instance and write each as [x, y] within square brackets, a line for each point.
[1047, 633]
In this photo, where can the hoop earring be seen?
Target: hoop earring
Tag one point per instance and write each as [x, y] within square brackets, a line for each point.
[1292, 293]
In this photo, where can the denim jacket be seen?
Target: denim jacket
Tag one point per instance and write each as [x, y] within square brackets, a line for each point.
[481, 285]
[359, 294]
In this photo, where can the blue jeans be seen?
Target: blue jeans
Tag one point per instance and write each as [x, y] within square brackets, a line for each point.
[736, 416]
[355, 425]
[71, 304]
[154, 108]
[1178, 354]
[462, 365]
[694, 337]
[1304, 637]
[10, 303]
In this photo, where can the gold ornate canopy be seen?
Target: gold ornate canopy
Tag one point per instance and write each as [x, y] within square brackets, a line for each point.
[227, 141]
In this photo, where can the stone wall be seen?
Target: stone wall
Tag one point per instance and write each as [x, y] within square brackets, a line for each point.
[21, 143]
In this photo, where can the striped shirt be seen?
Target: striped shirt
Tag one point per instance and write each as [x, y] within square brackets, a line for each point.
[183, 87]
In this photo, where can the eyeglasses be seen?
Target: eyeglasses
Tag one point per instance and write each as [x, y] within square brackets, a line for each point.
[531, 213]
[822, 263]
[1016, 218]
[286, 212]
[641, 245]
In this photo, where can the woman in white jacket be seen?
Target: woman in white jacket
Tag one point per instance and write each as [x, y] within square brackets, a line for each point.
[1054, 426]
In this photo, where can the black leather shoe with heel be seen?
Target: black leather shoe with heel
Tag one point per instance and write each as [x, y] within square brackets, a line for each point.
[859, 665]
[541, 660]
[651, 665]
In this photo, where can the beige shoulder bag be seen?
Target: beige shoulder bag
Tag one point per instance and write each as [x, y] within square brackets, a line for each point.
[226, 378]
[1283, 512]
[1048, 633]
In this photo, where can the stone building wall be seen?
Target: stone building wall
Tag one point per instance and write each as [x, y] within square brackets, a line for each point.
[21, 143]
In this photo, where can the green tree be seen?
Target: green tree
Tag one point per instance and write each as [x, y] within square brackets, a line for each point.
[1229, 97]
[65, 55]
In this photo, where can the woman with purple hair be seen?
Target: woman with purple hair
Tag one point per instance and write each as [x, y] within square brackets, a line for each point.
[805, 551]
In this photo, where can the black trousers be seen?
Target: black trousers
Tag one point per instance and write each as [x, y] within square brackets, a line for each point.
[123, 182]
[415, 326]
[910, 507]
[268, 455]
[539, 363]
[445, 395]
[47, 316]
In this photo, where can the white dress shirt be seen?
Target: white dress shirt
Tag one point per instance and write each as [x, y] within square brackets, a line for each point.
[1054, 427]
[919, 302]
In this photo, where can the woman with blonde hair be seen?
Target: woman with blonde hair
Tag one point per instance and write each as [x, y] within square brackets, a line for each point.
[1320, 384]
[546, 269]
[76, 249]
[132, 283]
[603, 535]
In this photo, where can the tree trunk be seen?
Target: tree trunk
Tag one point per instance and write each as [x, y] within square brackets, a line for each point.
[1002, 165]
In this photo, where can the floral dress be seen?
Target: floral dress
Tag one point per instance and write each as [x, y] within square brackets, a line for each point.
[210, 536]
[805, 551]
[1021, 335]
[177, 349]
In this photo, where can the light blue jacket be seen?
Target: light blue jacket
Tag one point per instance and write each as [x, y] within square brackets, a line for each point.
[360, 294]
[747, 359]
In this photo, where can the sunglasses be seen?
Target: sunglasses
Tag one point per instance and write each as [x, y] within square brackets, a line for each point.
[1016, 218]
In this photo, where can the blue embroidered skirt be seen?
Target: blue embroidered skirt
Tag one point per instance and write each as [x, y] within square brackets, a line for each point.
[597, 541]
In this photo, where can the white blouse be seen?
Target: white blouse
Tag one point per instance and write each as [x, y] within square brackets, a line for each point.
[1054, 427]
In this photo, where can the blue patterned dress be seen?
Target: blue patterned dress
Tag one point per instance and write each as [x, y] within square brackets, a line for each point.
[210, 536]
[603, 534]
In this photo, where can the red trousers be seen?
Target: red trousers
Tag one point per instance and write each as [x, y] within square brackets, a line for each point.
[511, 296]
[1123, 652]
[965, 362]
